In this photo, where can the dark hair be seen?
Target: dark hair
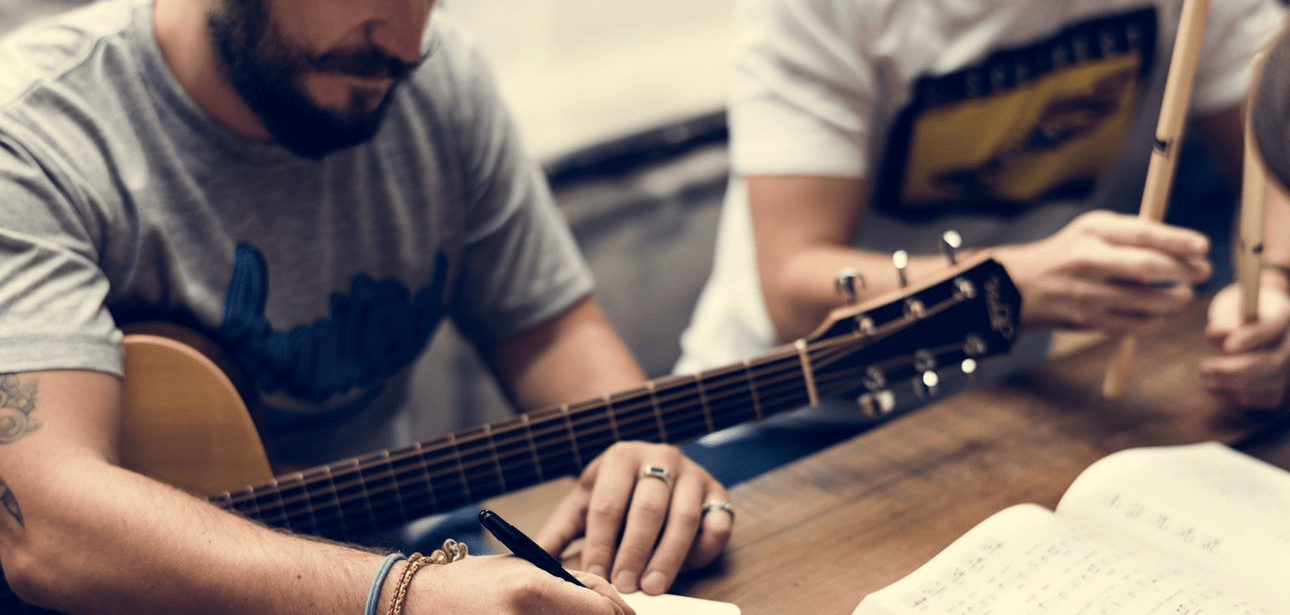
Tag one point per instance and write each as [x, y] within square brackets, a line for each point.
[1270, 109]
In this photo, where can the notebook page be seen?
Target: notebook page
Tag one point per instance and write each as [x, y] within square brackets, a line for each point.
[1221, 510]
[670, 604]
[1026, 560]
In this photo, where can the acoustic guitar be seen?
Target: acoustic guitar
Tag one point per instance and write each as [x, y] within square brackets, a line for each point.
[186, 423]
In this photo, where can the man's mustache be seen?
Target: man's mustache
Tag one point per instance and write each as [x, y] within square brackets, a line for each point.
[368, 63]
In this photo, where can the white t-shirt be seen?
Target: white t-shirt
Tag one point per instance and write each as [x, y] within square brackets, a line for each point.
[1000, 119]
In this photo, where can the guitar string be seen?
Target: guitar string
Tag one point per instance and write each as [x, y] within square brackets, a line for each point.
[497, 446]
[466, 472]
[633, 428]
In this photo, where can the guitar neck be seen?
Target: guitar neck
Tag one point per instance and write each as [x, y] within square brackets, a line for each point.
[358, 496]
[954, 320]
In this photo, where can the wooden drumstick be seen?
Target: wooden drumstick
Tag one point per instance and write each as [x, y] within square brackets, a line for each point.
[1164, 155]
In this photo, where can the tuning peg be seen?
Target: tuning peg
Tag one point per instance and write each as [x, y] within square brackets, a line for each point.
[969, 367]
[900, 259]
[928, 384]
[845, 282]
[876, 405]
[951, 241]
[878, 401]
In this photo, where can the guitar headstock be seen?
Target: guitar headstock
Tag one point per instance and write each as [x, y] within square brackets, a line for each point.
[967, 313]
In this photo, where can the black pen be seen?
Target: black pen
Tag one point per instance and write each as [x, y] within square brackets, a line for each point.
[523, 546]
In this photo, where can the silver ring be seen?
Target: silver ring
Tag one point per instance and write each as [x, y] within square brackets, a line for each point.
[658, 472]
[712, 505]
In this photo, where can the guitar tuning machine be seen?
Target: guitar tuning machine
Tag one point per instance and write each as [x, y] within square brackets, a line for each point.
[864, 325]
[900, 259]
[845, 283]
[878, 401]
[927, 385]
[876, 405]
[915, 308]
[964, 289]
[973, 347]
[951, 241]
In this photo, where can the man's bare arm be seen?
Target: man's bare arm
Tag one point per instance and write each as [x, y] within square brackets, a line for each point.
[97, 539]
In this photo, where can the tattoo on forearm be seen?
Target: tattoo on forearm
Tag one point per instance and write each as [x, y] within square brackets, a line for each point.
[17, 402]
[10, 504]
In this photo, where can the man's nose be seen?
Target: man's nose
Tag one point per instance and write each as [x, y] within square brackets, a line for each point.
[400, 27]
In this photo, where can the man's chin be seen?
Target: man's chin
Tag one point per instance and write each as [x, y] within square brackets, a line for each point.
[314, 132]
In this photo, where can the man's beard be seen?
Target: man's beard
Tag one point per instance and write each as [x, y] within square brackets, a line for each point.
[268, 72]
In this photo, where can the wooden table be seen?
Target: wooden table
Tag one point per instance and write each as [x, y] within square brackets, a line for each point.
[817, 535]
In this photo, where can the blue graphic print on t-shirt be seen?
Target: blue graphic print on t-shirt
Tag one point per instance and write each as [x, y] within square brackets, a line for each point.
[372, 334]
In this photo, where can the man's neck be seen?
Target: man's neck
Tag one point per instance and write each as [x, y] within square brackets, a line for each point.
[188, 51]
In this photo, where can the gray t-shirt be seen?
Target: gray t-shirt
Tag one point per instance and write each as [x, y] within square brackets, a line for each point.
[120, 200]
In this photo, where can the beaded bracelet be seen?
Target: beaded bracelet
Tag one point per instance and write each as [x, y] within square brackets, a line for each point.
[374, 595]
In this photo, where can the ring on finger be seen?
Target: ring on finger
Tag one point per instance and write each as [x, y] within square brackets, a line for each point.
[658, 472]
[723, 506]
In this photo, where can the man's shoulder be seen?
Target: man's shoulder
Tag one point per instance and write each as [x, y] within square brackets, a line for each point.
[48, 49]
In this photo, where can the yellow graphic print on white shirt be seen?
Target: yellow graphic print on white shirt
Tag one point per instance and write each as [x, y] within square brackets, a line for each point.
[1025, 125]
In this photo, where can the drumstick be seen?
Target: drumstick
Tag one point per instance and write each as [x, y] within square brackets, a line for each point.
[1164, 155]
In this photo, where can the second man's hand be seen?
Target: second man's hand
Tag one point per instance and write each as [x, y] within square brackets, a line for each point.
[653, 496]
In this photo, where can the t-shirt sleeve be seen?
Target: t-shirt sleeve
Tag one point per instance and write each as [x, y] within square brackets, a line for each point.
[802, 91]
[52, 291]
[1235, 30]
[520, 265]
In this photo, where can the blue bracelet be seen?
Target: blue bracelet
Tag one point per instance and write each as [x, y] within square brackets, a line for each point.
[374, 595]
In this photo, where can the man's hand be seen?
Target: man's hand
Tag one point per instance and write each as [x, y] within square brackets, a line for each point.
[505, 585]
[1108, 272]
[1253, 369]
[661, 522]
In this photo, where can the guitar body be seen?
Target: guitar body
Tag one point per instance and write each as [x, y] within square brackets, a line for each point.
[185, 423]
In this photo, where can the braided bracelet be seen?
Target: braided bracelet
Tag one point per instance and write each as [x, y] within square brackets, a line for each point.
[452, 551]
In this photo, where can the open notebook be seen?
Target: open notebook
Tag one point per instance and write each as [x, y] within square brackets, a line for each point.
[1184, 530]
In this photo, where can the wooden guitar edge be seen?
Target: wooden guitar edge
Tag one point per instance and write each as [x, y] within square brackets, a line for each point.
[184, 422]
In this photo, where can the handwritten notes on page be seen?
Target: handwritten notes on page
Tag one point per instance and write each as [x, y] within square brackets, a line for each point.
[1027, 560]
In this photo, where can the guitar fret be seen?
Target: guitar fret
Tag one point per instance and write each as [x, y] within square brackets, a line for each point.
[537, 460]
[497, 462]
[461, 469]
[658, 420]
[416, 491]
[679, 421]
[808, 373]
[752, 389]
[293, 489]
[515, 454]
[573, 438]
[594, 432]
[609, 415]
[379, 477]
[278, 505]
[555, 447]
[332, 504]
[447, 482]
[703, 404]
